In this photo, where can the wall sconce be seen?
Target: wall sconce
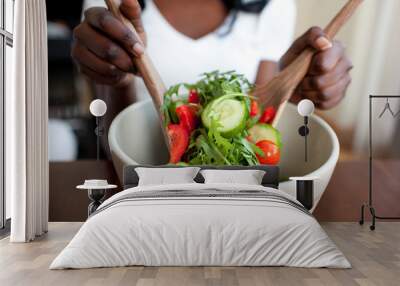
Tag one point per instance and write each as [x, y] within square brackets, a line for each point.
[98, 108]
[305, 108]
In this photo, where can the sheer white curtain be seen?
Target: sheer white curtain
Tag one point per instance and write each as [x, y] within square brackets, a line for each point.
[26, 124]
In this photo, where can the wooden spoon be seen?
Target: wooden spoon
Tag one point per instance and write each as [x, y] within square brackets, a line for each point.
[148, 72]
[278, 91]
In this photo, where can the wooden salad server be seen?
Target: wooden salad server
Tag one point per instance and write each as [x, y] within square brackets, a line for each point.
[278, 91]
[148, 72]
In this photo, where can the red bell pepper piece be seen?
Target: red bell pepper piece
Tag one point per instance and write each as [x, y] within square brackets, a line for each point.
[187, 117]
[254, 108]
[193, 96]
[179, 141]
[268, 115]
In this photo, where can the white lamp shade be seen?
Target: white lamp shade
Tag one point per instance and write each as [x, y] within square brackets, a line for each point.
[98, 107]
[305, 107]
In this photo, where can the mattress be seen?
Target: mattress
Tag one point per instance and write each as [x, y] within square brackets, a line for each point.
[201, 225]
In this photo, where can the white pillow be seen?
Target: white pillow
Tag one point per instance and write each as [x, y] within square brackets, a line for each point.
[246, 177]
[166, 176]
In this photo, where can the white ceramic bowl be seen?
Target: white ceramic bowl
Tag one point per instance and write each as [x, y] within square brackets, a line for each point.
[135, 138]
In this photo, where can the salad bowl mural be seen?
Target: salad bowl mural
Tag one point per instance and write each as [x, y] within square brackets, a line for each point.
[215, 122]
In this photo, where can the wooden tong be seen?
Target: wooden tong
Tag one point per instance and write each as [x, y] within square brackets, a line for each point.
[148, 72]
[278, 91]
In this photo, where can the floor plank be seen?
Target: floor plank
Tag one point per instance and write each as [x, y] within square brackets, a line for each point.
[375, 257]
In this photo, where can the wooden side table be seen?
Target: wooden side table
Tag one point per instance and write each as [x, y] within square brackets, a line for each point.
[96, 191]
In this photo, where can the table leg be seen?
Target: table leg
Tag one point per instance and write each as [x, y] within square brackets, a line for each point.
[305, 193]
[96, 197]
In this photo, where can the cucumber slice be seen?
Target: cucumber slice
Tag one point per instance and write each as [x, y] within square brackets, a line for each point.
[231, 115]
[262, 131]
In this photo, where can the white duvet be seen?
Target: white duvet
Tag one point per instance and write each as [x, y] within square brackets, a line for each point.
[188, 231]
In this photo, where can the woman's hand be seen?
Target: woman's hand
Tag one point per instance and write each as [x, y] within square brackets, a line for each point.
[328, 77]
[103, 46]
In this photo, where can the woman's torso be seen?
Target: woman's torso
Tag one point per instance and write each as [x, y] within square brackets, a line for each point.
[251, 39]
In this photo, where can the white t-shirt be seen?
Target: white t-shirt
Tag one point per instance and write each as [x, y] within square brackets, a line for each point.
[253, 38]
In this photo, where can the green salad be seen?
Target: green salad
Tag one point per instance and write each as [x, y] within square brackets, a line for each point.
[215, 122]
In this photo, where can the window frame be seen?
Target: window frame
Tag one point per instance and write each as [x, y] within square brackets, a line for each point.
[6, 39]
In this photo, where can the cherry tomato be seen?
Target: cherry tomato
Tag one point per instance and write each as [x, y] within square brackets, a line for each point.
[254, 108]
[193, 96]
[271, 151]
[179, 141]
[268, 115]
[187, 117]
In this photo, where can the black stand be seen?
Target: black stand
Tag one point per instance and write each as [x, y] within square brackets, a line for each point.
[305, 190]
[305, 193]
[99, 131]
[96, 197]
[369, 205]
[304, 131]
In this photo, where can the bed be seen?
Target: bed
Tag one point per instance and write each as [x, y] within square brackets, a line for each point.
[201, 224]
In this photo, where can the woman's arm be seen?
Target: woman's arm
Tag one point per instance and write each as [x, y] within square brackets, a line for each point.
[328, 77]
[103, 48]
[266, 71]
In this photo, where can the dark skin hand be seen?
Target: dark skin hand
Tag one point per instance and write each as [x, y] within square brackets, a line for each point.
[103, 48]
[102, 45]
[328, 77]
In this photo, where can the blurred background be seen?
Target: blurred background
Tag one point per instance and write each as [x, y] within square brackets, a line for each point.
[372, 43]
[69, 93]
[373, 46]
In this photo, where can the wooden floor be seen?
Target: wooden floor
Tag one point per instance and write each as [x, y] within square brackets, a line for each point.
[375, 257]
